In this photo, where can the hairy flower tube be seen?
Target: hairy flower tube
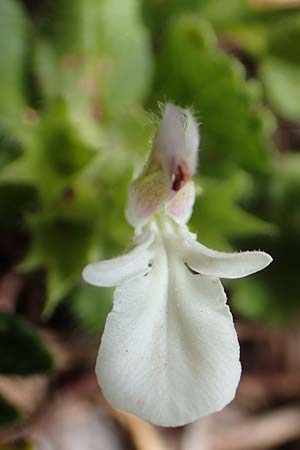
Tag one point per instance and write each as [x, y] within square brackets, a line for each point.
[169, 352]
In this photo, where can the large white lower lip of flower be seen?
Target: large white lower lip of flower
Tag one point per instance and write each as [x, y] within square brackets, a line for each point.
[169, 352]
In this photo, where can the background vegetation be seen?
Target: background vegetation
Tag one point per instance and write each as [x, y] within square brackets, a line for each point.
[79, 82]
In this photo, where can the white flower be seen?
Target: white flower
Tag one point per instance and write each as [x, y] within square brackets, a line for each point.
[169, 352]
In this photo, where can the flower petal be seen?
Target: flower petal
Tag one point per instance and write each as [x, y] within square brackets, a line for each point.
[169, 141]
[114, 271]
[192, 140]
[180, 207]
[171, 164]
[169, 352]
[176, 144]
[146, 194]
[221, 264]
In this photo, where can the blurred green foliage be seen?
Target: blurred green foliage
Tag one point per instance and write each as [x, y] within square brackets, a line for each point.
[77, 80]
[234, 131]
[21, 350]
[22, 353]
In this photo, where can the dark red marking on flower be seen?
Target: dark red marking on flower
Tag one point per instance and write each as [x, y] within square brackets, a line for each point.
[181, 176]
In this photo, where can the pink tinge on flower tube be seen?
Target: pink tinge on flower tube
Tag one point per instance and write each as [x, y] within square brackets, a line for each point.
[180, 207]
[171, 164]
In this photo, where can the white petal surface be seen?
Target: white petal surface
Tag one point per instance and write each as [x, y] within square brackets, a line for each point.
[192, 140]
[169, 141]
[114, 271]
[221, 264]
[176, 140]
[169, 352]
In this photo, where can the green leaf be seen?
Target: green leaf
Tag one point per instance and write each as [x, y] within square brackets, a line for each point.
[8, 413]
[218, 217]
[273, 294]
[283, 39]
[54, 152]
[125, 47]
[60, 245]
[63, 149]
[159, 14]
[279, 64]
[16, 201]
[220, 17]
[21, 350]
[283, 193]
[96, 47]
[253, 300]
[281, 81]
[193, 71]
[91, 305]
[10, 148]
[13, 47]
